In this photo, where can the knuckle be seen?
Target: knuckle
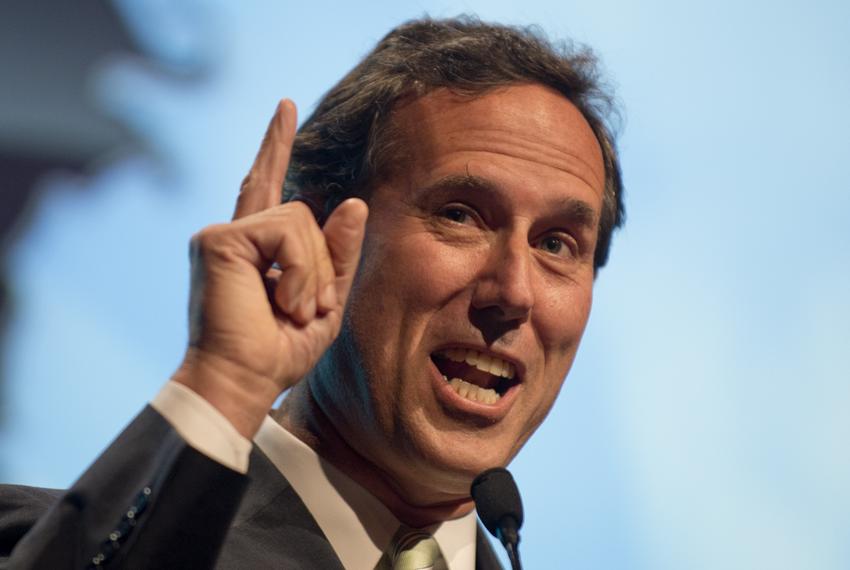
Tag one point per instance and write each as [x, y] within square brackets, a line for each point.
[246, 182]
[206, 239]
[299, 210]
[252, 181]
[295, 265]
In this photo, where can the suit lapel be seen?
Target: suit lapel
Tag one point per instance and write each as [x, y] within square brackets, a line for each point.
[485, 557]
[273, 528]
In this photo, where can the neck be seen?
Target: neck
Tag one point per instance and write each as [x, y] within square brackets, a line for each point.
[301, 416]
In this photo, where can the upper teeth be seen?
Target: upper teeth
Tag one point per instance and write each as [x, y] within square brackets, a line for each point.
[484, 362]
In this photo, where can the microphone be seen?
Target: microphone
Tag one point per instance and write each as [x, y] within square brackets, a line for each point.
[500, 509]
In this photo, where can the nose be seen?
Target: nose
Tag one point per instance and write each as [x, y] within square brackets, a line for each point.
[503, 291]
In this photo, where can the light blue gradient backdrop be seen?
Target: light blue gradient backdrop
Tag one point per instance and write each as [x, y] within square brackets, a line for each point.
[705, 423]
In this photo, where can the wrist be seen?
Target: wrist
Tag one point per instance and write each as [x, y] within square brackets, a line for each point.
[241, 396]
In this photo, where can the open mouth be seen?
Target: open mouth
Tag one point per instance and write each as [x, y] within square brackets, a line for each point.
[474, 375]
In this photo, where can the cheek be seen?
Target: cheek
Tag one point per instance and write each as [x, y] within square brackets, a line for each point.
[400, 286]
[415, 274]
[560, 322]
[561, 316]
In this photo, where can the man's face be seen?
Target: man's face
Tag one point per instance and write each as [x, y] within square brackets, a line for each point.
[477, 265]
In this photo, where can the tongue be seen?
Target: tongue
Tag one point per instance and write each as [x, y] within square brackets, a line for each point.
[451, 369]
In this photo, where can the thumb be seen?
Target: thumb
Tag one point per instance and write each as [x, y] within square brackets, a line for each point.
[344, 230]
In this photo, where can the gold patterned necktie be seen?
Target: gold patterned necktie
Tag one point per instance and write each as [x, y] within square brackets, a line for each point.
[412, 549]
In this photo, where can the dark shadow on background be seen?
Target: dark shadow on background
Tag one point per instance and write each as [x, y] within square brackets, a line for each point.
[49, 120]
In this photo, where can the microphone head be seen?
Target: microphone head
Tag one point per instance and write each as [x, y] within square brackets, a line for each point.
[496, 496]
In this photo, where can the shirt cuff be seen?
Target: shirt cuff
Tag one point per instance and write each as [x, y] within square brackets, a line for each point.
[202, 426]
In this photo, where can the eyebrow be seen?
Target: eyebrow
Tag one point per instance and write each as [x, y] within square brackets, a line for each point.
[576, 210]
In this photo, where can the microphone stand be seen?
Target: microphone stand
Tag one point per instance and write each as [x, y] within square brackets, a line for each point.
[513, 556]
[509, 536]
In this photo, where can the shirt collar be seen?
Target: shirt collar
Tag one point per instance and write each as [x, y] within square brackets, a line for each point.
[358, 526]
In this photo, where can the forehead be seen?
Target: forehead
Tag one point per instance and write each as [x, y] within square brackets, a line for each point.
[528, 123]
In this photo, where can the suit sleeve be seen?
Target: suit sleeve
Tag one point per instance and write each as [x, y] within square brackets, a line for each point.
[202, 426]
[149, 501]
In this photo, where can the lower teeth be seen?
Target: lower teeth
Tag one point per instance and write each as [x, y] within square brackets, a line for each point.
[472, 392]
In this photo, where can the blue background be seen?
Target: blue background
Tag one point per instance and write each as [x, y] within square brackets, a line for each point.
[705, 423]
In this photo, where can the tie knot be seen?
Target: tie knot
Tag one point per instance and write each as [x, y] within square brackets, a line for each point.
[414, 549]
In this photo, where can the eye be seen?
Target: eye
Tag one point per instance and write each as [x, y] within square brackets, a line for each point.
[456, 214]
[555, 245]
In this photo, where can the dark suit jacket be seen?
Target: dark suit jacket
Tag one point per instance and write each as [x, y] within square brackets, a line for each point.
[152, 501]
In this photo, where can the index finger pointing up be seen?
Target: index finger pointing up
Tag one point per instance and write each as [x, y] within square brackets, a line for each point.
[262, 186]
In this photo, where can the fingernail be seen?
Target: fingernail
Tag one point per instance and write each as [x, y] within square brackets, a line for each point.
[327, 298]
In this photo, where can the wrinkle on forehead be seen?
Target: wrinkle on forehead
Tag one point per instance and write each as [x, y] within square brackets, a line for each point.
[527, 122]
[504, 143]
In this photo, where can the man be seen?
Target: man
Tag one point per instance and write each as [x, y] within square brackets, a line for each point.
[420, 347]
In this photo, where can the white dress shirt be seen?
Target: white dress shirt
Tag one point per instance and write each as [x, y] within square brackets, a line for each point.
[358, 526]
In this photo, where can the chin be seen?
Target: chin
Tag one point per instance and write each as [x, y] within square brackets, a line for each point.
[447, 460]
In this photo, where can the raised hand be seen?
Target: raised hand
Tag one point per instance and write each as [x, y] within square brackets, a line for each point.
[268, 289]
